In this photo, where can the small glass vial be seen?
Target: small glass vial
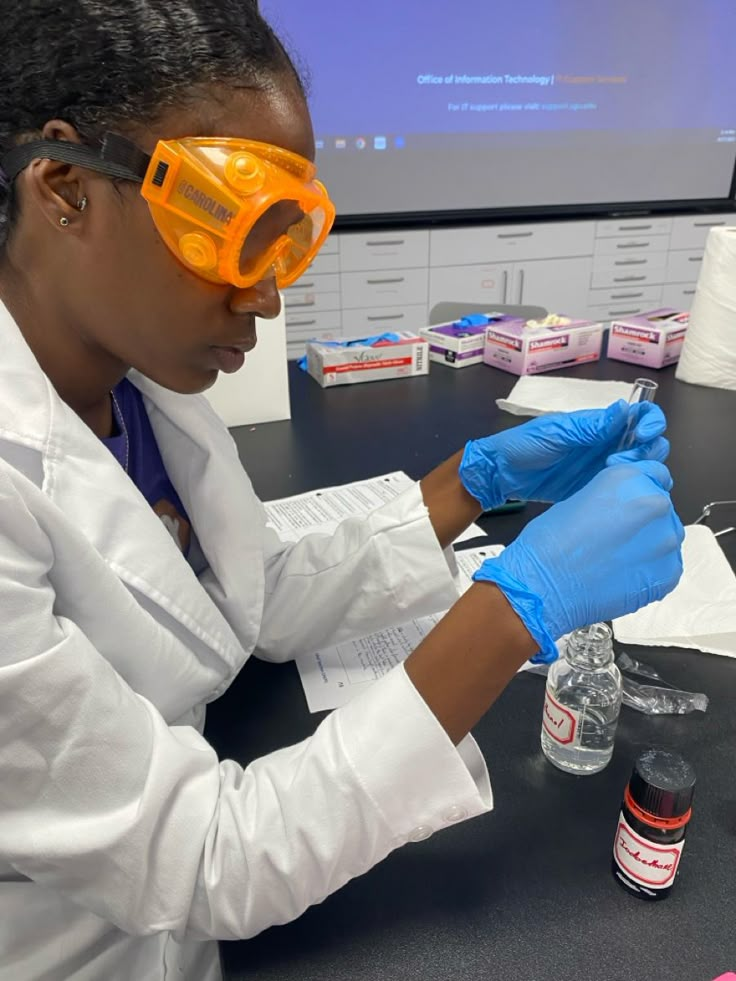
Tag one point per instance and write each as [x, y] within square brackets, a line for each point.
[582, 703]
[644, 390]
[650, 835]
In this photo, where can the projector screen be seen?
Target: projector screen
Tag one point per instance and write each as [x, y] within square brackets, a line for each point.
[439, 106]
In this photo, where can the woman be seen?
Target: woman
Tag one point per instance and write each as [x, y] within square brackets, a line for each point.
[136, 573]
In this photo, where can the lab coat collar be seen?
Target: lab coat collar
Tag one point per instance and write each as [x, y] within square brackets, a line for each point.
[87, 484]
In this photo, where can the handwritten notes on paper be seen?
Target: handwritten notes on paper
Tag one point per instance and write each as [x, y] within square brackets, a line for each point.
[333, 676]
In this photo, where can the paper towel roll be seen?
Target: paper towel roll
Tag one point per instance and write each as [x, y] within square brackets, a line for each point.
[709, 351]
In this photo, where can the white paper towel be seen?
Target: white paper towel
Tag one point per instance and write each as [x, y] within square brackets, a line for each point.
[709, 350]
[700, 612]
[533, 395]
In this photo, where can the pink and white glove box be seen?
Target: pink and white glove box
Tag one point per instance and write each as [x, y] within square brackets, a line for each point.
[652, 339]
[527, 347]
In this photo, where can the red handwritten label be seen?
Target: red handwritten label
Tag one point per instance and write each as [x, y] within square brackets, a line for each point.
[560, 724]
[652, 865]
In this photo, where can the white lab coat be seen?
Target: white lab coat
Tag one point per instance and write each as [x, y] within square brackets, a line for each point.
[125, 844]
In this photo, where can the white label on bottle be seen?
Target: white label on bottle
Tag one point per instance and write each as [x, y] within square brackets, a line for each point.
[560, 723]
[654, 866]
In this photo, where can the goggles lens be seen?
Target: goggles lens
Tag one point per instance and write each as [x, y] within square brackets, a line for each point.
[237, 211]
[286, 235]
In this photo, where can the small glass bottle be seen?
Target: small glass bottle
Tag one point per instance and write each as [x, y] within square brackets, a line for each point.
[582, 703]
[650, 835]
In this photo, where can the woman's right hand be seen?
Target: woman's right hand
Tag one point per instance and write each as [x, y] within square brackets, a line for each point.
[607, 550]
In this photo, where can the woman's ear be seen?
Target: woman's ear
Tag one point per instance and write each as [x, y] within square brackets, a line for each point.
[56, 189]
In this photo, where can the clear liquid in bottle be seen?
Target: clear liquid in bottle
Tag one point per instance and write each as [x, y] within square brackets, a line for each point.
[582, 703]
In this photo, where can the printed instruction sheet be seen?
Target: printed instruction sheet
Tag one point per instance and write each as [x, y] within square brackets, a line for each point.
[322, 510]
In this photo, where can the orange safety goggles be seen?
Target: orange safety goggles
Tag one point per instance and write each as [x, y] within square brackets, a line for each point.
[232, 211]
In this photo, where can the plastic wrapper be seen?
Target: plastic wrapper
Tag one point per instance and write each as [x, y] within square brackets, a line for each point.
[651, 699]
[660, 699]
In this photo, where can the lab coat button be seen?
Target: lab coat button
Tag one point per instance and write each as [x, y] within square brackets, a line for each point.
[455, 813]
[420, 833]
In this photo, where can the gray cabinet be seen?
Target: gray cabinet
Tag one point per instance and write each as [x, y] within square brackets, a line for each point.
[364, 283]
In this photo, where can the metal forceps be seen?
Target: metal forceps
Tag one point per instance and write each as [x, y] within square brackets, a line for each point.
[706, 514]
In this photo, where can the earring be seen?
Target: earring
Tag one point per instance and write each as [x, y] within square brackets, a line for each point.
[81, 205]
[63, 222]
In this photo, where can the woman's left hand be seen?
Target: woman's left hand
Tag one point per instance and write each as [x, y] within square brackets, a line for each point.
[553, 456]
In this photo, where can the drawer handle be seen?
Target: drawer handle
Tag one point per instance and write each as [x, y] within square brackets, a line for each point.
[634, 228]
[631, 262]
[695, 258]
[389, 316]
[388, 241]
[708, 224]
[514, 234]
[383, 282]
[688, 292]
[633, 245]
[627, 296]
[305, 286]
[623, 313]
[302, 323]
[292, 306]
[629, 279]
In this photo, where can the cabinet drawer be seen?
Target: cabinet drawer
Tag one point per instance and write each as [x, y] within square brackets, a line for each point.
[499, 243]
[384, 250]
[400, 287]
[684, 267]
[306, 325]
[326, 262]
[626, 295]
[679, 296]
[615, 264]
[624, 308]
[331, 246]
[376, 320]
[639, 275]
[633, 226]
[296, 347]
[629, 245]
[310, 303]
[691, 231]
[310, 286]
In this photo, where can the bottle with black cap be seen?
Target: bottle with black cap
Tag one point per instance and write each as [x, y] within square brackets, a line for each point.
[651, 828]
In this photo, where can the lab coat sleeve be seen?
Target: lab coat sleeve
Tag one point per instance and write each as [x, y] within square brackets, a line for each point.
[139, 822]
[375, 571]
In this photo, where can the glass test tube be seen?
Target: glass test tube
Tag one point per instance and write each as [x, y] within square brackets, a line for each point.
[644, 390]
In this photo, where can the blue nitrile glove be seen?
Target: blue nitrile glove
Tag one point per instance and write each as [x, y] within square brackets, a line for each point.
[553, 456]
[611, 548]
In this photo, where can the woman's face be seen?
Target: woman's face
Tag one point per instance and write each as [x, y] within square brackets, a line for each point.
[134, 300]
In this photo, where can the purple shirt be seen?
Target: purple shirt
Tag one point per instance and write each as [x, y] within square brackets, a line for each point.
[136, 450]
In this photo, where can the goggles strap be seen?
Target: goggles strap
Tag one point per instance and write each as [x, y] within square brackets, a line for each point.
[117, 157]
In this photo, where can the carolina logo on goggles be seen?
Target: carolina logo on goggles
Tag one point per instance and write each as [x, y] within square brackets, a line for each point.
[233, 211]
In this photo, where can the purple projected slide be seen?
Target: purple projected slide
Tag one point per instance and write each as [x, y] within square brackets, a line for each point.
[439, 67]
[495, 104]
